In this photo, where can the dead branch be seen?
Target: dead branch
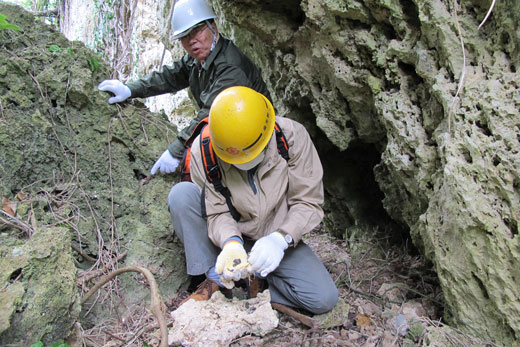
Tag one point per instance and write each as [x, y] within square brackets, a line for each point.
[87, 276]
[86, 256]
[308, 321]
[18, 224]
[487, 14]
[463, 72]
[168, 31]
[48, 13]
[156, 304]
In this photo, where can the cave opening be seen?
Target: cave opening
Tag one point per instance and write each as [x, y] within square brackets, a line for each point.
[353, 199]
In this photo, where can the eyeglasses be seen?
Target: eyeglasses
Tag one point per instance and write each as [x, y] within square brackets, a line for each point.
[194, 32]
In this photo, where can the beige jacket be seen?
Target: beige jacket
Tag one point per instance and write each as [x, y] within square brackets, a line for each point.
[289, 194]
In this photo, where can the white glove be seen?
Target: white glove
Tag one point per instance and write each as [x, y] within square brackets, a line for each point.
[121, 91]
[166, 163]
[267, 253]
[232, 264]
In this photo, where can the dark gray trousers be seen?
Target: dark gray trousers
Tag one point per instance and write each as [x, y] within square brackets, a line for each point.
[300, 280]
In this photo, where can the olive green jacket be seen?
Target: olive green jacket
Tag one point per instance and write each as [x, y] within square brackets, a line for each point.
[279, 194]
[226, 66]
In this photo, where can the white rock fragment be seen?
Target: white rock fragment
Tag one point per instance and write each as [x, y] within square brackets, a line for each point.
[218, 321]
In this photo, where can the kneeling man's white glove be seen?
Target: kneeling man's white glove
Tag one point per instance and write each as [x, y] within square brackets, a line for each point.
[267, 253]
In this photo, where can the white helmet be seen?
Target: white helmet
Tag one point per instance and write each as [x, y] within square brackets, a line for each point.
[187, 14]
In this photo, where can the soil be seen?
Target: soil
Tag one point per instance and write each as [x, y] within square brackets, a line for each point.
[377, 279]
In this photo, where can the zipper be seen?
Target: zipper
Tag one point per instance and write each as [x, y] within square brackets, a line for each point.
[251, 179]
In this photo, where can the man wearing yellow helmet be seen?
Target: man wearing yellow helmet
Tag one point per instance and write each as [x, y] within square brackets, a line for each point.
[278, 201]
[212, 64]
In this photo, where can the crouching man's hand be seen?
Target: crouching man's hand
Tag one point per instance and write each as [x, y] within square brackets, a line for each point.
[232, 263]
[267, 253]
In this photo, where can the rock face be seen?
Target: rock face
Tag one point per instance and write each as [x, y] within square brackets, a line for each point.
[388, 82]
[41, 300]
[69, 159]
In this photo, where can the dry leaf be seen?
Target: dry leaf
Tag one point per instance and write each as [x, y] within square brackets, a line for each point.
[8, 206]
[362, 320]
[21, 196]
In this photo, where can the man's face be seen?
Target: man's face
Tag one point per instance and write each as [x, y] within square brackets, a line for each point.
[198, 42]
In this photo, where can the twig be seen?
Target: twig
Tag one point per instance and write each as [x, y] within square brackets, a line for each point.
[106, 331]
[48, 13]
[87, 276]
[113, 225]
[488, 14]
[463, 72]
[307, 321]
[18, 223]
[156, 305]
[86, 256]
[168, 30]
[37, 84]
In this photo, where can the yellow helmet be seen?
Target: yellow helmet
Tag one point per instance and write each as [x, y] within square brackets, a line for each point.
[241, 122]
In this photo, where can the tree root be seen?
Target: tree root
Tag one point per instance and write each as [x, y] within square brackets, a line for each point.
[156, 304]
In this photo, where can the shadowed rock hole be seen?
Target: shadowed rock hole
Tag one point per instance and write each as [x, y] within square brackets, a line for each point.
[289, 9]
[413, 78]
[353, 191]
[505, 39]
[15, 274]
[411, 13]
[483, 127]
[481, 285]
[139, 175]
[467, 156]
[513, 227]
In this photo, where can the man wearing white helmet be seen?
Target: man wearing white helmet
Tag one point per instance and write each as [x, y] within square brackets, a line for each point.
[212, 64]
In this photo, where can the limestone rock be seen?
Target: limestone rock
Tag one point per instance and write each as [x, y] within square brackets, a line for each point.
[219, 321]
[40, 300]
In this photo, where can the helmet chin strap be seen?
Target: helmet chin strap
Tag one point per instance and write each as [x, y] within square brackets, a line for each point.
[214, 43]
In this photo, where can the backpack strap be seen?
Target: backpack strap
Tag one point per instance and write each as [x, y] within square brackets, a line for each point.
[281, 142]
[213, 173]
[186, 158]
[185, 165]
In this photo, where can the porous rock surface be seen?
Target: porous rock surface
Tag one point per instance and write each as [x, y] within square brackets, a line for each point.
[390, 88]
[68, 159]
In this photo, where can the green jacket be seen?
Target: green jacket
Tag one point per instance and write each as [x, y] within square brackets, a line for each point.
[226, 66]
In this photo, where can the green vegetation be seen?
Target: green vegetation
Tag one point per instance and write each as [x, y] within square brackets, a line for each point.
[94, 63]
[4, 24]
[54, 48]
[55, 344]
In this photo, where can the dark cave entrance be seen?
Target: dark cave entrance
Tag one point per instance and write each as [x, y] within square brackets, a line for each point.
[353, 199]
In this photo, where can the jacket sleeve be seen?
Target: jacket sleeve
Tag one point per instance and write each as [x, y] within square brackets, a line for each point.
[221, 224]
[226, 76]
[305, 192]
[170, 79]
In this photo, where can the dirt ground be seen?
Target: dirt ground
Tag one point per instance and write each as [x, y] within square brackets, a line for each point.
[392, 299]
[376, 283]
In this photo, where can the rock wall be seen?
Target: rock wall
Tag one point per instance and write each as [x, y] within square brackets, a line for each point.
[74, 174]
[389, 81]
